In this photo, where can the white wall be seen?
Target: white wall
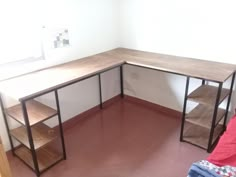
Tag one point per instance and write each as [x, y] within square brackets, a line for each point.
[93, 28]
[197, 29]
[92, 25]
[200, 29]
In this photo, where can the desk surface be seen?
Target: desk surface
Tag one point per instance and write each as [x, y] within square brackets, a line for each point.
[26, 86]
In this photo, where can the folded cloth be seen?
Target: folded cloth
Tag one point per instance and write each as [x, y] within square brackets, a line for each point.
[225, 151]
[197, 170]
[226, 171]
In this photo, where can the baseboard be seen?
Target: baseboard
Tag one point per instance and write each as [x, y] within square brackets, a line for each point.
[159, 108]
[74, 120]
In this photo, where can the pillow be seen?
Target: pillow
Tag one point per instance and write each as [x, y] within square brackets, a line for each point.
[225, 151]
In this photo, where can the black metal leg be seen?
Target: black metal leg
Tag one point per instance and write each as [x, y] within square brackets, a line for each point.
[7, 126]
[229, 99]
[184, 108]
[60, 124]
[100, 90]
[214, 117]
[203, 82]
[121, 82]
[31, 142]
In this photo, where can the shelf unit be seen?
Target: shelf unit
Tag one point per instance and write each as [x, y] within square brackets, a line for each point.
[37, 112]
[38, 148]
[203, 125]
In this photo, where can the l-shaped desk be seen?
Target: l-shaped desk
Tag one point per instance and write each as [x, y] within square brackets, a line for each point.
[200, 127]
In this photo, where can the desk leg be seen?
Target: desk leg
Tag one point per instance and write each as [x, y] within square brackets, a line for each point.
[30, 136]
[100, 90]
[121, 82]
[229, 99]
[214, 117]
[60, 124]
[184, 108]
[203, 82]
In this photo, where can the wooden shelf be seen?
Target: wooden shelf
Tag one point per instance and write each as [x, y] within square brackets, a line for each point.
[46, 157]
[202, 115]
[206, 94]
[37, 112]
[42, 135]
[200, 135]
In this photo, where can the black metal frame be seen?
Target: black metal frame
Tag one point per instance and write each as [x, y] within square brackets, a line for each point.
[211, 144]
[100, 90]
[30, 136]
[184, 108]
[60, 124]
[203, 82]
[121, 81]
[214, 117]
[27, 124]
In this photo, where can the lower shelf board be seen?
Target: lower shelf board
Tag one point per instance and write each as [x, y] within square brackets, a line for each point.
[42, 135]
[46, 157]
[202, 115]
[199, 135]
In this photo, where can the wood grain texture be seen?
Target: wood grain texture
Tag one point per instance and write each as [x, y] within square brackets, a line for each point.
[48, 79]
[42, 135]
[4, 165]
[203, 69]
[37, 112]
[199, 135]
[46, 157]
[31, 84]
[202, 115]
[206, 94]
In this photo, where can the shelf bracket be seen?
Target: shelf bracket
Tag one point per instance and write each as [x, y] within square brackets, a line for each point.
[229, 99]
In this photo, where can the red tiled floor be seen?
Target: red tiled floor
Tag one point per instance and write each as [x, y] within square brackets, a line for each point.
[122, 140]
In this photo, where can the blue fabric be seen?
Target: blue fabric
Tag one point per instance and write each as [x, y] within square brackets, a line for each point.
[199, 171]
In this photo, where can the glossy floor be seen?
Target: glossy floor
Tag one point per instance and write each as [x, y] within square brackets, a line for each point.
[124, 139]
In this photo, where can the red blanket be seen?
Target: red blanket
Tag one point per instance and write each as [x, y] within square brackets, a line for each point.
[225, 151]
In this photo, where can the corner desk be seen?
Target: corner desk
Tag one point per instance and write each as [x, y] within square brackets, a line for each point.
[202, 126]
